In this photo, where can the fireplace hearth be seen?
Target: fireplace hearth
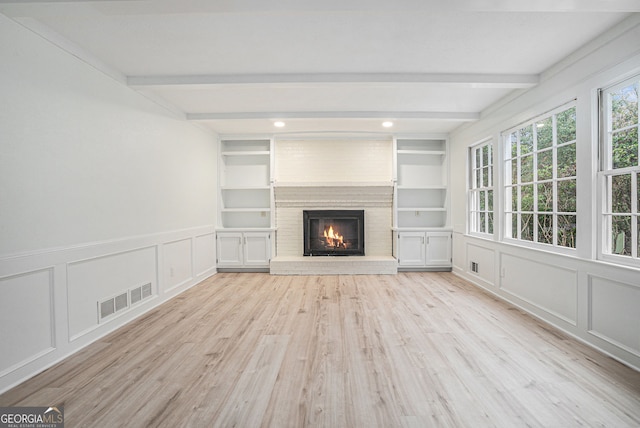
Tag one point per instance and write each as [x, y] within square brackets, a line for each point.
[333, 232]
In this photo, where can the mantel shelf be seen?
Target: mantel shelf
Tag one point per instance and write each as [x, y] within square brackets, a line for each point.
[333, 194]
[350, 184]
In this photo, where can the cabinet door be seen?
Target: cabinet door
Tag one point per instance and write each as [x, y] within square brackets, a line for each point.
[257, 249]
[229, 249]
[411, 249]
[438, 249]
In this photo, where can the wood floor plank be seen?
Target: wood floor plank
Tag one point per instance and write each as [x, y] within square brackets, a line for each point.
[248, 401]
[409, 350]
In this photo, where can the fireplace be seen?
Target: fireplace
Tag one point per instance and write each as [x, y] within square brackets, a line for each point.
[333, 232]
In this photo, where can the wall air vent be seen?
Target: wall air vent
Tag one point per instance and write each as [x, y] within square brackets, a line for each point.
[146, 290]
[112, 305]
[106, 308]
[123, 301]
[474, 267]
[140, 293]
[136, 295]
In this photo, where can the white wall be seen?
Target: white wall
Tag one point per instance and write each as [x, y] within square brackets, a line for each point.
[101, 190]
[333, 161]
[593, 301]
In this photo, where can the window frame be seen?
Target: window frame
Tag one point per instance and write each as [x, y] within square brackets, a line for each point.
[477, 192]
[509, 213]
[606, 174]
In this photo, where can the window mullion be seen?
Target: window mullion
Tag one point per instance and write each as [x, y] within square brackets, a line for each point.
[519, 177]
[554, 176]
[534, 173]
[634, 217]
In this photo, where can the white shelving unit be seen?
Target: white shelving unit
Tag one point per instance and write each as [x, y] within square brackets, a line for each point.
[421, 186]
[422, 237]
[245, 201]
[245, 184]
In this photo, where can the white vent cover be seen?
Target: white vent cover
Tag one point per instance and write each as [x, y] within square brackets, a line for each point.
[474, 267]
[112, 305]
[146, 291]
[106, 308]
[122, 301]
[136, 295]
[140, 293]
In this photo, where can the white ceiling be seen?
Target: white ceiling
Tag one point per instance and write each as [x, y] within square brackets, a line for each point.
[322, 66]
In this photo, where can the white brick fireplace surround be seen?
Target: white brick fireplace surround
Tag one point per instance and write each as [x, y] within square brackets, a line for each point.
[365, 170]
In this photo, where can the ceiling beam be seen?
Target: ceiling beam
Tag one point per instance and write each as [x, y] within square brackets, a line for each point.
[260, 6]
[511, 81]
[423, 115]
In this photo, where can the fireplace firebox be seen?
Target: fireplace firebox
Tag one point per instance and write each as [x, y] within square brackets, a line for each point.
[333, 232]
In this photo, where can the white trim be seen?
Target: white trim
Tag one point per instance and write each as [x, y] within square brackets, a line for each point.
[471, 80]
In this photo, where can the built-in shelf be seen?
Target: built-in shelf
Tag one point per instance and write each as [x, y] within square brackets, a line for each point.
[335, 184]
[421, 183]
[421, 240]
[246, 153]
[245, 187]
[245, 192]
[422, 152]
[244, 210]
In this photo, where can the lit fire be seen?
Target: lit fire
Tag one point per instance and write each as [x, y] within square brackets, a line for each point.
[334, 239]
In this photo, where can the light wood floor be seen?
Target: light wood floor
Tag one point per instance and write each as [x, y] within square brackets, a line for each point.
[412, 350]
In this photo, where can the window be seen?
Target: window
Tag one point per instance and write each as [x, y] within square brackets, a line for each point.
[540, 179]
[481, 188]
[620, 170]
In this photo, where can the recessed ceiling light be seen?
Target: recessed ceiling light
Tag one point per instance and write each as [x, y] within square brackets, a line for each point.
[387, 124]
[278, 124]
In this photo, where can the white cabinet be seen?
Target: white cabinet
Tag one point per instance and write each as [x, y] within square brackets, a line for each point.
[411, 249]
[229, 249]
[243, 250]
[418, 249]
[438, 249]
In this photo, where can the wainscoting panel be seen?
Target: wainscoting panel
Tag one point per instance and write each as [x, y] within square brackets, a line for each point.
[26, 318]
[483, 260]
[550, 288]
[92, 281]
[178, 263]
[593, 301]
[459, 252]
[614, 312]
[205, 254]
[49, 299]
